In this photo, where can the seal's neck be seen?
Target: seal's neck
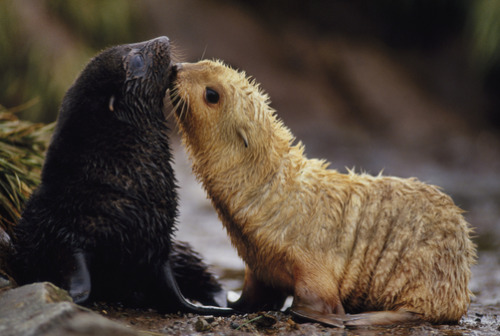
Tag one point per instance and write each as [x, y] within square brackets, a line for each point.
[236, 179]
[249, 196]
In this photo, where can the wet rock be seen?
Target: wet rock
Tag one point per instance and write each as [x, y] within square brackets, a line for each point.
[44, 309]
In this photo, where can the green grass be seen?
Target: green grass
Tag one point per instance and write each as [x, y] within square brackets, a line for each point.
[22, 152]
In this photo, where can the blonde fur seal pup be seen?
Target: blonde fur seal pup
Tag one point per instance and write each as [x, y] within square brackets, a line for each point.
[352, 249]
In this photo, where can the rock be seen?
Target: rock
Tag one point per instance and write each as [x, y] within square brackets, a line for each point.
[44, 309]
[87, 324]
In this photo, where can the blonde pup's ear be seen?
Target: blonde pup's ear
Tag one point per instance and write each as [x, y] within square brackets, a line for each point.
[243, 136]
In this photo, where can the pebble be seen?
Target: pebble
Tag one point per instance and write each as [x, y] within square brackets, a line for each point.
[202, 325]
[266, 320]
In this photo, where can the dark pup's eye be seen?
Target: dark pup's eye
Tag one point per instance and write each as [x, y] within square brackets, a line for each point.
[137, 61]
[211, 96]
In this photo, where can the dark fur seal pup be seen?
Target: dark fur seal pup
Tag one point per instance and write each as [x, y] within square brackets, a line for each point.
[100, 224]
[382, 249]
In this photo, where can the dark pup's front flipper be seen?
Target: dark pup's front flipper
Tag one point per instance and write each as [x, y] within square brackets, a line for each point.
[78, 279]
[175, 301]
[310, 315]
[258, 296]
[193, 276]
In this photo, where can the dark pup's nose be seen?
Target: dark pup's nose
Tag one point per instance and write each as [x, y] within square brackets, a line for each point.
[159, 43]
[161, 40]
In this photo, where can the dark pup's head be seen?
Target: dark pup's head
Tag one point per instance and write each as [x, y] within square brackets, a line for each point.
[126, 82]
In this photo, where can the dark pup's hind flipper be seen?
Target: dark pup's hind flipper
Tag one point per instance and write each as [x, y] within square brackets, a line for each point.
[174, 300]
[193, 277]
[78, 278]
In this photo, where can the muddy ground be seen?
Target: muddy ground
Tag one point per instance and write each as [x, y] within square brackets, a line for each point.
[479, 321]
[483, 317]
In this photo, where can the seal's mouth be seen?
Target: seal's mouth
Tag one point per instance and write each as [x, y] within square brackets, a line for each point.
[173, 76]
[178, 103]
[180, 106]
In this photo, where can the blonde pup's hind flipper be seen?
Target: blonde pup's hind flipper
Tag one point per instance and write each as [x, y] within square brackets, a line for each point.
[381, 318]
[310, 315]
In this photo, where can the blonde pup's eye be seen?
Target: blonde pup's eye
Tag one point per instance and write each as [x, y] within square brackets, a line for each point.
[211, 96]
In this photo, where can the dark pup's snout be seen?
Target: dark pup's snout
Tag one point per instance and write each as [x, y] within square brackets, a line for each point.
[160, 45]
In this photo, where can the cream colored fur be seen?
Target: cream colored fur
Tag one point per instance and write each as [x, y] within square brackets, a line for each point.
[366, 242]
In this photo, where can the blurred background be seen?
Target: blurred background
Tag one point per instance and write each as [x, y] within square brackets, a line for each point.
[410, 87]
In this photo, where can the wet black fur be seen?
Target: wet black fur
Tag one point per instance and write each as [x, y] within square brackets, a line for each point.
[108, 192]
